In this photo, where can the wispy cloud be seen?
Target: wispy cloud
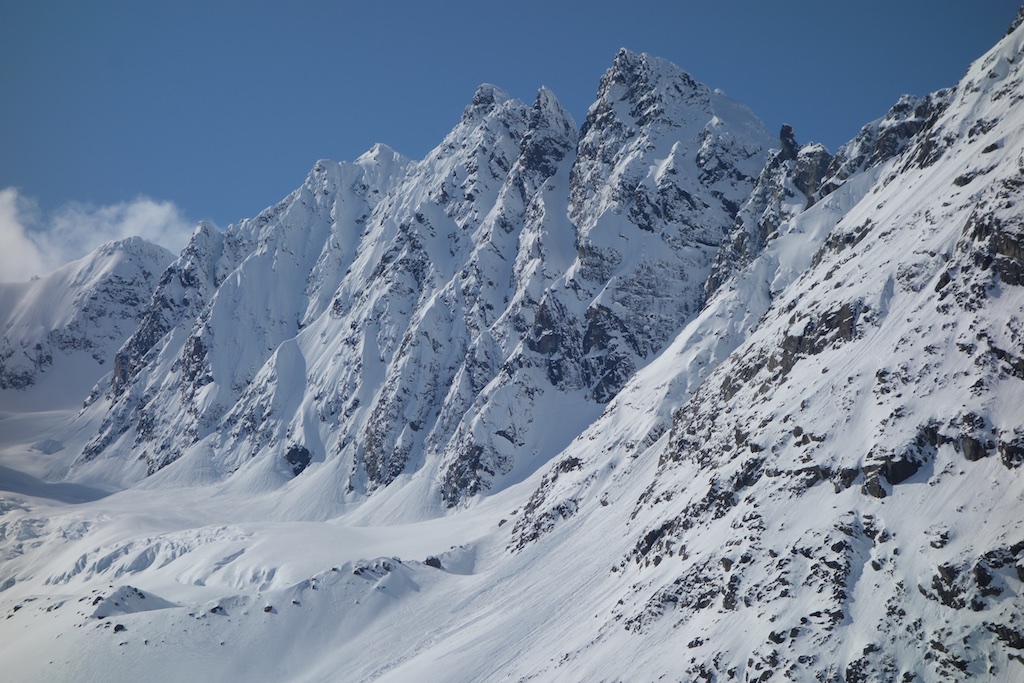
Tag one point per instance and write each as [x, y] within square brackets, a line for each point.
[34, 243]
[20, 257]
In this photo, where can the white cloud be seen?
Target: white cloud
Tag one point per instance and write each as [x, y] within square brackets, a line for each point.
[34, 243]
[20, 257]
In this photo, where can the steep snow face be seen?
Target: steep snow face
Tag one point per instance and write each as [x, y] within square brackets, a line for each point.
[428, 316]
[630, 277]
[223, 307]
[72, 322]
[664, 165]
[837, 499]
[365, 327]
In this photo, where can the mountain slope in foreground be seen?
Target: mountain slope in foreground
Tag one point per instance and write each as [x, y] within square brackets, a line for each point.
[816, 476]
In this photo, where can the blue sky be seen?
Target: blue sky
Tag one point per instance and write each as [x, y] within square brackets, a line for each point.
[218, 109]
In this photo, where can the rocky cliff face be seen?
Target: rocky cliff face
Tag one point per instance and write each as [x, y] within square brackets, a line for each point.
[787, 185]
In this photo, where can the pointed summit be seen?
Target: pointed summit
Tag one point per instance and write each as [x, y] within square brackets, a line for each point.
[378, 152]
[71, 322]
[486, 98]
[1016, 22]
[627, 62]
[654, 89]
[550, 136]
[630, 65]
[548, 112]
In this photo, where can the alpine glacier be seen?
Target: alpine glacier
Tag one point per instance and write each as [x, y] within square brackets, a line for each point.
[657, 397]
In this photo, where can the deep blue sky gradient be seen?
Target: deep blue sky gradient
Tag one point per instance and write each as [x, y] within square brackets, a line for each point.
[223, 107]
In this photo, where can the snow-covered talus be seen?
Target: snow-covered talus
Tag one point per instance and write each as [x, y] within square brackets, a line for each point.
[839, 498]
[72, 321]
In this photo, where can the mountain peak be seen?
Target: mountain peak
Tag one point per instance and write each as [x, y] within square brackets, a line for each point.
[133, 245]
[378, 152]
[548, 112]
[630, 67]
[1016, 22]
[67, 324]
[486, 98]
[627, 60]
[550, 134]
[546, 100]
[652, 88]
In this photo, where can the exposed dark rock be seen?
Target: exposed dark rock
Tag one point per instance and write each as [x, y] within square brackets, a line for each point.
[1011, 636]
[789, 145]
[549, 137]
[467, 475]
[845, 478]
[659, 538]
[298, 457]
[1012, 452]
[873, 485]
[997, 243]
[895, 468]
[882, 140]
[972, 448]
[543, 510]
[376, 569]
[788, 169]
[812, 164]
[544, 337]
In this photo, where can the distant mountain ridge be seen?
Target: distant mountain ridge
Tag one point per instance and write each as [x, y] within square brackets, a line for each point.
[88, 307]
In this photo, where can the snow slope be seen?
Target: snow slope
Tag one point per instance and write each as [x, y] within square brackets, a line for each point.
[837, 498]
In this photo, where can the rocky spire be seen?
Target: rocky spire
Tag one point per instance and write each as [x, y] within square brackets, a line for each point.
[485, 99]
[550, 136]
[789, 145]
[1016, 22]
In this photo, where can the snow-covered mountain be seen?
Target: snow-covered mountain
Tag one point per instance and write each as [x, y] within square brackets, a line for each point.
[838, 494]
[423, 315]
[70, 323]
[659, 397]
